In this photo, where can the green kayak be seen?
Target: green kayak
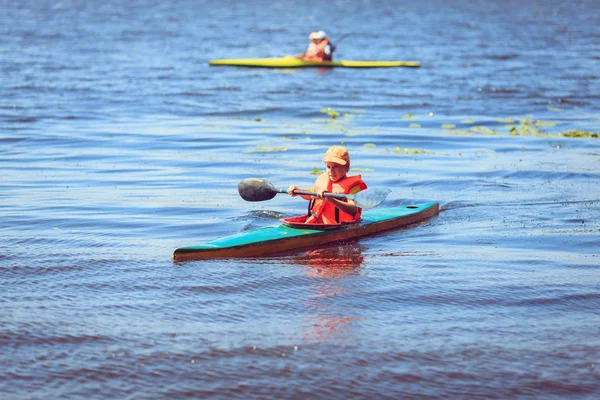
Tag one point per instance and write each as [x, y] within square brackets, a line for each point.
[293, 62]
[281, 239]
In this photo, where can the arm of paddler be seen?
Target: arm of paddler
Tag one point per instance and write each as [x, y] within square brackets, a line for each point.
[347, 206]
[305, 197]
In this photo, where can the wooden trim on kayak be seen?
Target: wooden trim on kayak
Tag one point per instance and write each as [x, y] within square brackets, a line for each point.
[299, 242]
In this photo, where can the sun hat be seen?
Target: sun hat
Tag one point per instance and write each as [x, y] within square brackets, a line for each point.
[338, 155]
[318, 35]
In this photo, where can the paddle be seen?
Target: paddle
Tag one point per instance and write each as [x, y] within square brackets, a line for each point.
[344, 36]
[255, 189]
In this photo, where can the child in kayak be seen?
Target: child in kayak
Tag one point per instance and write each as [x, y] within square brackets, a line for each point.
[328, 210]
[320, 48]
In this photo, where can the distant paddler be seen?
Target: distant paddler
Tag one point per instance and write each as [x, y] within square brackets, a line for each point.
[320, 48]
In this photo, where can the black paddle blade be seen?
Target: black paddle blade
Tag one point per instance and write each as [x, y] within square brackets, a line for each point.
[255, 189]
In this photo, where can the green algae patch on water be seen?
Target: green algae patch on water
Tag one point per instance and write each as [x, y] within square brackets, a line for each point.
[448, 126]
[579, 134]
[526, 130]
[414, 125]
[408, 117]
[484, 130]
[332, 113]
[410, 152]
[505, 121]
[266, 149]
[460, 132]
[316, 171]
[549, 124]
[331, 122]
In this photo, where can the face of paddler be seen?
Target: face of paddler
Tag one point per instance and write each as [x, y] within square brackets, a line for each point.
[336, 171]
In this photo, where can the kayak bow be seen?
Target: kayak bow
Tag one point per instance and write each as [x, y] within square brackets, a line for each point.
[279, 239]
[293, 62]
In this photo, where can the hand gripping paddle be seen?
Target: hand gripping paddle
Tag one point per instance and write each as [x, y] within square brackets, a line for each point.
[256, 189]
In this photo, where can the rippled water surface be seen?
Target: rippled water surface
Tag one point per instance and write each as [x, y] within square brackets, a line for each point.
[118, 144]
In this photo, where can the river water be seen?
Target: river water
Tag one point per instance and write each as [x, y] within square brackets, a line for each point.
[119, 143]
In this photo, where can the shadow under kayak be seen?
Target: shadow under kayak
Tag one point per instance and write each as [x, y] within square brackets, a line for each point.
[279, 239]
[293, 62]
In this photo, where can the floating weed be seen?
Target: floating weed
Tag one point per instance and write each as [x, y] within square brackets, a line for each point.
[414, 125]
[467, 121]
[526, 122]
[258, 119]
[369, 145]
[526, 127]
[408, 117]
[331, 122]
[448, 126]
[289, 138]
[332, 113]
[349, 115]
[527, 130]
[460, 132]
[555, 109]
[506, 121]
[546, 123]
[579, 134]
[524, 130]
[315, 171]
[405, 151]
[484, 130]
[334, 128]
[266, 149]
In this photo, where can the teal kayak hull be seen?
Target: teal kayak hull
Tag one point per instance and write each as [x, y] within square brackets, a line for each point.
[281, 239]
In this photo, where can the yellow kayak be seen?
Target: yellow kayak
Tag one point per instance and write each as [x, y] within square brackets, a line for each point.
[293, 62]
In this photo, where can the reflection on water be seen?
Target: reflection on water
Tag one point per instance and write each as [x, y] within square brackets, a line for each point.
[333, 261]
[335, 274]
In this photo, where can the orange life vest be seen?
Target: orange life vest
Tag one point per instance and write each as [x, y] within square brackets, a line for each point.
[321, 211]
[315, 52]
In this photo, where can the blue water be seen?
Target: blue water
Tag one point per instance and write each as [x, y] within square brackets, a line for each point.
[119, 143]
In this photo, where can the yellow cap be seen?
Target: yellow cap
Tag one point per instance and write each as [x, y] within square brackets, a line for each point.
[338, 155]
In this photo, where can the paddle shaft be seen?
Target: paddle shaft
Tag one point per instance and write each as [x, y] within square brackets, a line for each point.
[314, 194]
[256, 189]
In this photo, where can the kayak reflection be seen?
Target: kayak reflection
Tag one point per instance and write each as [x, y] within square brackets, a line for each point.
[335, 273]
[332, 261]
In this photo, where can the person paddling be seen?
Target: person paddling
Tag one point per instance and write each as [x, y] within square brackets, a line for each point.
[320, 48]
[329, 210]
